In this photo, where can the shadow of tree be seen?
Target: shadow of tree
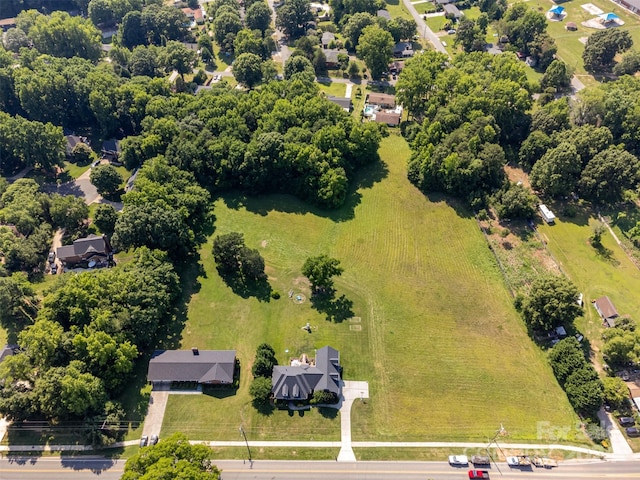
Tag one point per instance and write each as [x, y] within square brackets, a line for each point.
[336, 309]
[264, 408]
[328, 412]
[259, 288]
[263, 204]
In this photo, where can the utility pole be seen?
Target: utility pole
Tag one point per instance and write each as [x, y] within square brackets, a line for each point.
[244, 435]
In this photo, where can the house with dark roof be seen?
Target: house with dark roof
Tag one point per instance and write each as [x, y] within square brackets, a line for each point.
[331, 57]
[7, 351]
[344, 102]
[72, 141]
[606, 310]
[111, 151]
[452, 10]
[403, 50]
[327, 38]
[384, 14]
[93, 248]
[211, 367]
[299, 382]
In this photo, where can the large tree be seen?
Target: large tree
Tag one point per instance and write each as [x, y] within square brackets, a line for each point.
[105, 218]
[552, 301]
[375, 47]
[320, 271]
[608, 174]
[418, 80]
[299, 65]
[172, 457]
[293, 17]
[557, 75]
[62, 35]
[247, 69]
[106, 179]
[602, 47]
[557, 172]
[68, 212]
[258, 16]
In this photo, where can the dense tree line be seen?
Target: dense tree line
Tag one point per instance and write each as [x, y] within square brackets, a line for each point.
[457, 149]
[81, 350]
[284, 138]
[262, 371]
[577, 376]
[11, 8]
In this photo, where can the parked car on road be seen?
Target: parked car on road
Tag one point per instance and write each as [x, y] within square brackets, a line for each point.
[627, 421]
[481, 460]
[458, 460]
[143, 441]
[521, 461]
[478, 474]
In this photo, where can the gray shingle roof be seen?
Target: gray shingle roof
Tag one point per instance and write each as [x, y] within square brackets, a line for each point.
[84, 247]
[209, 366]
[291, 383]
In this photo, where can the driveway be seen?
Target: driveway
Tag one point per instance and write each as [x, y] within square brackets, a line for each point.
[619, 444]
[155, 412]
[351, 391]
[80, 187]
[423, 29]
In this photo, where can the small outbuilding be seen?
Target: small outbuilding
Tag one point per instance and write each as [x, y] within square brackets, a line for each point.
[608, 17]
[606, 310]
[557, 11]
[384, 14]
[571, 26]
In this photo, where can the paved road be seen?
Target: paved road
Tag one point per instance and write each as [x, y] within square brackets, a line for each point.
[80, 187]
[423, 29]
[55, 468]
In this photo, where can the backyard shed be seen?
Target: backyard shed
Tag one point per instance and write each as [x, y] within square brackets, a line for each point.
[606, 310]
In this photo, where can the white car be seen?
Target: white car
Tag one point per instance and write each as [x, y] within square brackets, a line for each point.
[458, 460]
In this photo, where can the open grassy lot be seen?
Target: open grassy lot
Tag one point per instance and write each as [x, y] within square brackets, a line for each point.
[424, 7]
[596, 273]
[436, 337]
[397, 9]
[570, 47]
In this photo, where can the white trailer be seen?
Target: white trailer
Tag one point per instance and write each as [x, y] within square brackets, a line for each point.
[547, 215]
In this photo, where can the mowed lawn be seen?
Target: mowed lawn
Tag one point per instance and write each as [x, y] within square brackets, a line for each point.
[595, 274]
[436, 336]
[570, 47]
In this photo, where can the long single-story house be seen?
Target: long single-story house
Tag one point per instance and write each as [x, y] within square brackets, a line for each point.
[382, 100]
[389, 118]
[403, 50]
[452, 10]
[606, 310]
[331, 57]
[299, 382]
[344, 102]
[92, 248]
[212, 367]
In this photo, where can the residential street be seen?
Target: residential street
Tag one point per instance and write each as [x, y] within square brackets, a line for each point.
[423, 30]
[56, 468]
[80, 187]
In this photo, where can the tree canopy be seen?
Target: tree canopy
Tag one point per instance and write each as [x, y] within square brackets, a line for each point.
[552, 301]
[320, 271]
[602, 46]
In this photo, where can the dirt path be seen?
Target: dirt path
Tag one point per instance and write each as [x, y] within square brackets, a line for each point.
[57, 242]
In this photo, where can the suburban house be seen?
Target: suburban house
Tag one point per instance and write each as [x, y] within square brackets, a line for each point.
[382, 100]
[300, 380]
[344, 102]
[391, 119]
[452, 10]
[403, 50]
[94, 250]
[73, 140]
[7, 23]
[331, 57]
[327, 38]
[194, 15]
[606, 310]
[211, 367]
[111, 151]
[384, 14]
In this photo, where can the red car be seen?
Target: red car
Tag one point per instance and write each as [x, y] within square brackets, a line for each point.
[478, 474]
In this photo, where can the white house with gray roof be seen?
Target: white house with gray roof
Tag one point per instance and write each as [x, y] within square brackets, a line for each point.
[300, 381]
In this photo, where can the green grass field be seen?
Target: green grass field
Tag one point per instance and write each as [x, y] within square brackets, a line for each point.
[437, 338]
[570, 47]
[596, 274]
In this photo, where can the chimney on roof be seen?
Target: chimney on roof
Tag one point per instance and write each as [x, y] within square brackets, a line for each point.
[195, 351]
